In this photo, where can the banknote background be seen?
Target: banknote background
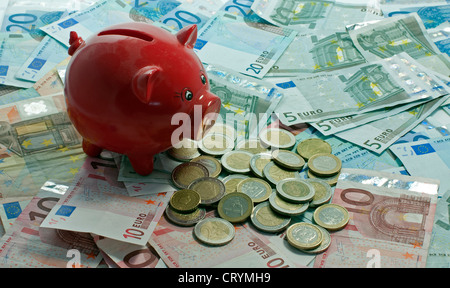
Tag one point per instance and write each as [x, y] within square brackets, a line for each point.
[371, 78]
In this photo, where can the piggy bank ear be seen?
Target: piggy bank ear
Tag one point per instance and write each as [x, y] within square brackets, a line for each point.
[144, 81]
[188, 35]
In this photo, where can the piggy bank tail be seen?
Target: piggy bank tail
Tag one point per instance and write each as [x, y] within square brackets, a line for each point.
[75, 42]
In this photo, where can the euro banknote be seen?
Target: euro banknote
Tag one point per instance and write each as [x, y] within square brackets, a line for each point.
[92, 19]
[191, 12]
[178, 248]
[228, 40]
[126, 255]
[37, 141]
[14, 51]
[358, 89]
[378, 135]
[426, 158]
[97, 203]
[317, 51]
[315, 15]
[438, 255]
[391, 36]
[25, 245]
[391, 218]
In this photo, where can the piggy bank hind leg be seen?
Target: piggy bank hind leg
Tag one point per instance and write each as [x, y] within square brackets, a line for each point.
[91, 149]
[142, 164]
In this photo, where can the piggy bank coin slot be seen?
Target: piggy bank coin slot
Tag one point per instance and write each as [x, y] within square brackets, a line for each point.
[129, 33]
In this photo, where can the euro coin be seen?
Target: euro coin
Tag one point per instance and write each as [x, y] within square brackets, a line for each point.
[184, 201]
[184, 150]
[236, 161]
[274, 173]
[211, 189]
[185, 219]
[258, 162]
[225, 129]
[265, 219]
[235, 207]
[231, 182]
[214, 231]
[212, 164]
[331, 216]
[323, 245]
[322, 194]
[185, 173]
[253, 146]
[332, 180]
[288, 159]
[257, 189]
[304, 236]
[309, 147]
[295, 190]
[324, 165]
[284, 207]
[216, 144]
[277, 138]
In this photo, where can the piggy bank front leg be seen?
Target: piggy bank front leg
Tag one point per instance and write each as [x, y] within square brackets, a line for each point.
[91, 149]
[142, 164]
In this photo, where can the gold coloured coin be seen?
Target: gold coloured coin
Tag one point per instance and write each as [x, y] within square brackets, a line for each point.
[253, 146]
[277, 138]
[286, 208]
[257, 189]
[221, 128]
[212, 164]
[331, 216]
[288, 159]
[216, 144]
[185, 173]
[295, 190]
[231, 182]
[236, 161]
[265, 219]
[210, 189]
[184, 150]
[304, 236]
[185, 219]
[322, 190]
[309, 147]
[214, 231]
[274, 173]
[184, 201]
[332, 180]
[258, 162]
[324, 165]
[323, 245]
[235, 207]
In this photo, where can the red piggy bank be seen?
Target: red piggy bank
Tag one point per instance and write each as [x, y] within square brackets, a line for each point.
[124, 85]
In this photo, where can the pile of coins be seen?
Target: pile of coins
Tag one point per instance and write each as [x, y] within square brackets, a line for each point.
[262, 183]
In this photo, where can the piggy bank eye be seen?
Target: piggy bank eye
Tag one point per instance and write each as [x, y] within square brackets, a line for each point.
[203, 78]
[188, 95]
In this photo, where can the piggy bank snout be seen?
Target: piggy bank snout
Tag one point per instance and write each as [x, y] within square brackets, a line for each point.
[209, 113]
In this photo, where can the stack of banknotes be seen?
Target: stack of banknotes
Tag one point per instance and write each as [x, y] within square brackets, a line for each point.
[370, 78]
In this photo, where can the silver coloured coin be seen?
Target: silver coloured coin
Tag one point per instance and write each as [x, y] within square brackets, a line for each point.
[236, 161]
[258, 162]
[265, 219]
[295, 190]
[214, 231]
[286, 208]
[216, 144]
[185, 219]
[288, 159]
[323, 192]
[277, 138]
